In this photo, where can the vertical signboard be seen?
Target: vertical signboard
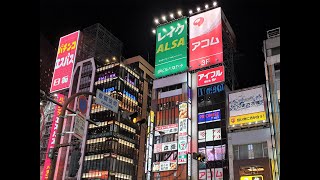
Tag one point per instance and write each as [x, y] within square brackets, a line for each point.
[51, 141]
[205, 44]
[211, 76]
[65, 61]
[171, 48]
[183, 133]
[247, 106]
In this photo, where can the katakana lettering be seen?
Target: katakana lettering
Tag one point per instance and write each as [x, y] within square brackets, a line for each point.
[181, 27]
[197, 44]
[206, 41]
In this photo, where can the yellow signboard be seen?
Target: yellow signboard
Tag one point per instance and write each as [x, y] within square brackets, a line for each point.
[151, 116]
[247, 118]
[256, 177]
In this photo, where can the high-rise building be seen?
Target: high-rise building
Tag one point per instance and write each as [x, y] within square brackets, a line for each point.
[189, 97]
[271, 50]
[47, 60]
[112, 148]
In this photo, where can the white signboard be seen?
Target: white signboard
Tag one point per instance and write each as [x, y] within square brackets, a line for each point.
[183, 127]
[246, 102]
[107, 101]
[166, 129]
[79, 126]
[164, 166]
[209, 135]
[164, 147]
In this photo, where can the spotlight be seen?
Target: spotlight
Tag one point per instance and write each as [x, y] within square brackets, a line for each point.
[171, 15]
[153, 31]
[214, 4]
[190, 11]
[164, 18]
[180, 13]
[114, 58]
[206, 6]
[156, 21]
[198, 9]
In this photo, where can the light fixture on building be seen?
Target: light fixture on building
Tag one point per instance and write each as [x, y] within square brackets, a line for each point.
[156, 21]
[114, 58]
[206, 6]
[164, 18]
[171, 15]
[214, 4]
[198, 9]
[180, 13]
[190, 11]
[153, 31]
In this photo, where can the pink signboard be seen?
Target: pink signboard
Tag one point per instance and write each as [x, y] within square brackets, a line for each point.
[65, 61]
[51, 141]
[211, 76]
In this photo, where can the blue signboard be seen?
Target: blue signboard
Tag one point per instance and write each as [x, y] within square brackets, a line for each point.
[209, 116]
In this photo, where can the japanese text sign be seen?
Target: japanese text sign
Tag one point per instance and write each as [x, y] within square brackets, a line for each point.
[171, 48]
[211, 76]
[53, 133]
[205, 44]
[107, 101]
[65, 61]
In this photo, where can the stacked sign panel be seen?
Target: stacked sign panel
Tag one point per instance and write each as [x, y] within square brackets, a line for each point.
[171, 48]
[247, 107]
[205, 39]
[66, 57]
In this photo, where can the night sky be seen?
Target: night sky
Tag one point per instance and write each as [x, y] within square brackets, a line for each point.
[132, 21]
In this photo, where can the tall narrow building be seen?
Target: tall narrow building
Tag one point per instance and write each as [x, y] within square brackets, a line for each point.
[271, 50]
[189, 97]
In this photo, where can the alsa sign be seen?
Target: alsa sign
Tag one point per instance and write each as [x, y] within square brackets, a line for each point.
[65, 61]
[211, 76]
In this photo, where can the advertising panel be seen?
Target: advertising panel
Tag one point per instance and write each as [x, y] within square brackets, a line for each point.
[212, 89]
[248, 118]
[255, 177]
[205, 44]
[183, 145]
[211, 76]
[209, 116]
[166, 129]
[171, 48]
[51, 141]
[206, 174]
[65, 61]
[79, 123]
[246, 106]
[164, 166]
[164, 147]
[214, 153]
[209, 135]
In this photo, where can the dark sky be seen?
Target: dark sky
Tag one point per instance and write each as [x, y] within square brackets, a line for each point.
[132, 21]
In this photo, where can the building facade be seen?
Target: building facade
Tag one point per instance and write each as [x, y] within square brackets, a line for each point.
[114, 148]
[271, 50]
[189, 105]
[249, 134]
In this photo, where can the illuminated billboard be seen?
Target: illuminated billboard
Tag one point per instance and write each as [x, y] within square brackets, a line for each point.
[206, 174]
[171, 48]
[209, 116]
[164, 166]
[205, 39]
[165, 147]
[247, 106]
[66, 57]
[254, 177]
[51, 141]
[166, 129]
[211, 76]
[214, 153]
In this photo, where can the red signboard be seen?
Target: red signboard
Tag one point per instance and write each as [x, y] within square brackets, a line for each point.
[65, 61]
[51, 141]
[211, 76]
[205, 44]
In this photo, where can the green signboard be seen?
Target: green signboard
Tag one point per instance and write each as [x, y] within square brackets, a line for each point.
[171, 48]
